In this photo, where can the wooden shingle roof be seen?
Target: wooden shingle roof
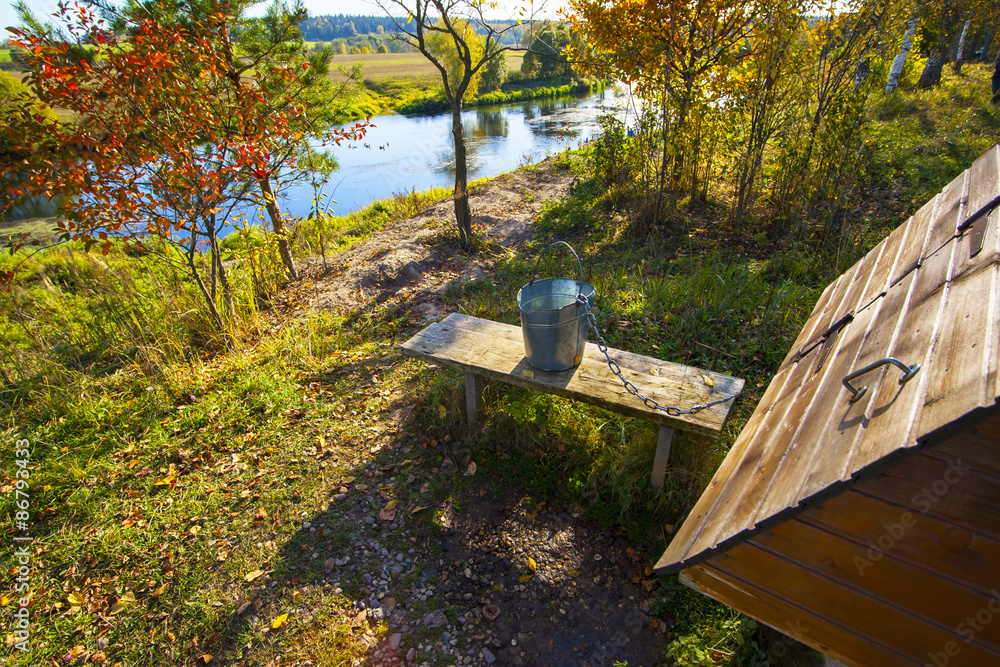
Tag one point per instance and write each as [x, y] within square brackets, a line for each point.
[928, 294]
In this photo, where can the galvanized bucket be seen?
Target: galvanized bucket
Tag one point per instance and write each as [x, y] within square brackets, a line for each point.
[553, 321]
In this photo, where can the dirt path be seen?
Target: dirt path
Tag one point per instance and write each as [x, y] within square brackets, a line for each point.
[501, 579]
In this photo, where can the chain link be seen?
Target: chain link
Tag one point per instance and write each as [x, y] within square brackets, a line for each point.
[631, 388]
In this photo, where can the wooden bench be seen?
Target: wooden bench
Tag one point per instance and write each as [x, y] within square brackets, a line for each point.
[483, 348]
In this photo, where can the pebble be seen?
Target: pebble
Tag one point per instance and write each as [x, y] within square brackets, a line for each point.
[370, 520]
[411, 655]
[395, 640]
[306, 525]
[340, 496]
[488, 656]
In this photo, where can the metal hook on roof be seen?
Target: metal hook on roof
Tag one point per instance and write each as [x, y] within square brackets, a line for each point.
[908, 373]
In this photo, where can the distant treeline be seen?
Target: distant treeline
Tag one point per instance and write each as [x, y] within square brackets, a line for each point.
[327, 28]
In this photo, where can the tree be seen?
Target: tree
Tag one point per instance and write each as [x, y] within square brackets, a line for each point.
[494, 74]
[459, 29]
[166, 144]
[546, 57]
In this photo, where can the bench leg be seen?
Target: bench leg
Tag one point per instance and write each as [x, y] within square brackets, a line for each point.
[662, 456]
[473, 397]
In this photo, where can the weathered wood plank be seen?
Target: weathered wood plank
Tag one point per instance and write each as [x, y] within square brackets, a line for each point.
[878, 619]
[889, 262]
[912, 250]
[804, 622]
[662, 456]
[948, 213]
[845, 560]
[473, 397]
[495, 355]
[976, 449]
[891, 408]
[855, 513]
[822, 315]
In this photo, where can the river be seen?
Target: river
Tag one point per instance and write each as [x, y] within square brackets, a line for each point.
[403, 153]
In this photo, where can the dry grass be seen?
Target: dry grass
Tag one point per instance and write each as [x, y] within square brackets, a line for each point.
[398, 65]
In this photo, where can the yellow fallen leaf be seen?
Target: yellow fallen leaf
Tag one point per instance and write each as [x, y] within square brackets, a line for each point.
[574, 573]
[4, 599]
[528, 374]
[296, 595]
[525, 578]
[709, 382]
[346, 480]
[280, 621]
[391, 504]
[207, 658]
[253, 575]
[442, 411]
[122, 602]
[532, 565]
[417, 509]
[160, 591]
[169, 480]
[471, 470]
[654, 371]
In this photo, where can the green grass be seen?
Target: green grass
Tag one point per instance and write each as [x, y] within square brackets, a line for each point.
[5, 56]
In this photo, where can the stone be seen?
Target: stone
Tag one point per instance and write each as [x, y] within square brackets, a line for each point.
[435, 619]
[411, 655]
[370, 520]
[394, 641]
[488, 656]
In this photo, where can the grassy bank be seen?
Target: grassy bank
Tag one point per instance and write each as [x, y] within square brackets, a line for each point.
[171, 478]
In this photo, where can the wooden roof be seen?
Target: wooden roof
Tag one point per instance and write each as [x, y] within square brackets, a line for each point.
[928, 294]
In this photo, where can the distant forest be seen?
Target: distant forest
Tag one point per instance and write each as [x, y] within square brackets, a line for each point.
[328, 28]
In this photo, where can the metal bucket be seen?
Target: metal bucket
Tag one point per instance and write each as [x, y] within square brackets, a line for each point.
[553, 322]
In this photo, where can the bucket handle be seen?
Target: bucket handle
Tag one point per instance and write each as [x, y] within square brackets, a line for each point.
[545, 252]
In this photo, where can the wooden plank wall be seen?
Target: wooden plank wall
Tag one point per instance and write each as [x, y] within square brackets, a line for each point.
[903, 569]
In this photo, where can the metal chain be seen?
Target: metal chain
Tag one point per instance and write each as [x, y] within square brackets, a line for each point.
[631, 388]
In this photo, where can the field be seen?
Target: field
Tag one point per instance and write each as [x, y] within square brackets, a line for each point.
[4, 55]
[402, 65]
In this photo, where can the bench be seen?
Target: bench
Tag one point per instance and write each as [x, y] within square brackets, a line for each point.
[483, 348]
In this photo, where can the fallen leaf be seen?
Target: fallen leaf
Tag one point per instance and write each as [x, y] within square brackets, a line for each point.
[421, 508]
[491, 611]
[99, 658]
[346, 481]
[525, 578]
[391, 504]
[328, 565]
[74, 599]
[648, 584]
[296, 595]
[528, 374]
[709, 382]
[253, 575]
[278, 622]
[654, 371]
[123, 602]
[243, 608]
[442, 411]
[387, 515]
[574, 573]
[471, 470]
[532, 565]
[160, 591]
[207, 658]
[169, 480]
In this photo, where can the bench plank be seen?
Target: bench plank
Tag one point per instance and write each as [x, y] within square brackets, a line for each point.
[496, 350]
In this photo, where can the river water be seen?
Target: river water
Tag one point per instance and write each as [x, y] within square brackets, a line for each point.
[404, 153]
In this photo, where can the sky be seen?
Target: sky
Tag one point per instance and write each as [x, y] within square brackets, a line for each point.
[316, 8]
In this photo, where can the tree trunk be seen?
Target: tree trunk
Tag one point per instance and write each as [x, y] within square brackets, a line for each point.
[957, 66]
[931, 75]
[463, 214]
[995, 79]
[212, 310]
[278, 225]
[904, 51]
